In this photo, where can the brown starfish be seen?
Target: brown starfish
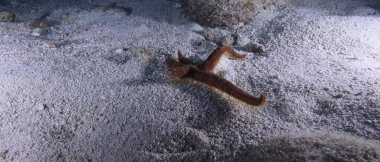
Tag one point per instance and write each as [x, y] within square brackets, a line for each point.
[185, 68]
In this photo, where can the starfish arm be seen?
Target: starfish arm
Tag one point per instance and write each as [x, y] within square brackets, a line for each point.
[176, 69]
[182, 59]
[225, 86]
[210, 63]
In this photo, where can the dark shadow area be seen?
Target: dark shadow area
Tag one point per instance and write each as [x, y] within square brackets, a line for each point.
[169, 11]
[34, 9]
[375, 6]
[342, 7]
[311, 147]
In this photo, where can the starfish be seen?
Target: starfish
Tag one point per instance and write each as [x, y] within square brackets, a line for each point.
[185, 68]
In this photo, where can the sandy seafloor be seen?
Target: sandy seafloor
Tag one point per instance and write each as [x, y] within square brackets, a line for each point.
[93, 87]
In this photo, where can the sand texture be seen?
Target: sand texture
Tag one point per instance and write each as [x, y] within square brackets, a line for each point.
[86, 81]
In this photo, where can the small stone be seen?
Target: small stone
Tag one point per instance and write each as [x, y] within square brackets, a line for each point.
[368, 121]
[177, 5]
[359, 94]
[252, 47]
[118, 56]
[196, 27]
[338, 96]
[37, 32]
[50, 45]
[6, 16]
[119, 51]
[242, 40]
[42, 107]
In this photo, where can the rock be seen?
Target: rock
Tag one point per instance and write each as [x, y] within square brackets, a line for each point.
[6, 16]
[40, 23]
[196, 27]
[40, 26]
[254, 48]
[213, 13]
[242, 40]
[119, 51]
[37, 32]
[218, 36]
[271, 4]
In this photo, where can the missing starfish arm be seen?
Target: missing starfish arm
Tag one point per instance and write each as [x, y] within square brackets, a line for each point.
[225, 86]
[210, 63]
[176, 69]
[182, 59]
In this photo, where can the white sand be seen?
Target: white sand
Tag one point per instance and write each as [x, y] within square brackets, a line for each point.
[103, 95]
